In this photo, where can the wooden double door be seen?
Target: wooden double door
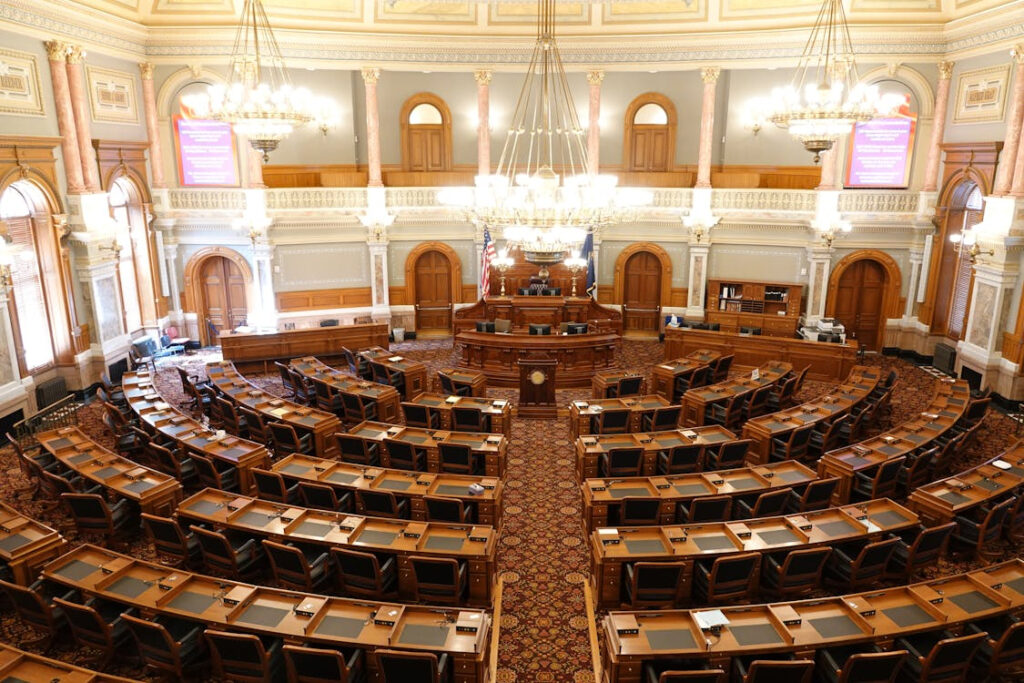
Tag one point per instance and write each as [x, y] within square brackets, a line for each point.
[649, 148]
[641, 294]
[434, 294]
[427, 150]
[222, 290]
[859, 299]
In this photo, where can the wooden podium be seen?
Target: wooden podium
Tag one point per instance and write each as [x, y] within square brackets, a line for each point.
[537, 387]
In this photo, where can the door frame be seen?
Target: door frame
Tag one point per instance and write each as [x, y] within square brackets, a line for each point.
[446, 127]
[891, 291]
[454, 268]
[619, 282]
[627, 139]
[194, 284]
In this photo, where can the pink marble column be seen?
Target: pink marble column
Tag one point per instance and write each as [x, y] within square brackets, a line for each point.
[370, 76]
[709, 75]
[594, 78]
[156, 157]
[83, 122]
[1008, 159]
[483, 117]
[57, 53]
[828, 170]
[931, 169]
[1017, 188]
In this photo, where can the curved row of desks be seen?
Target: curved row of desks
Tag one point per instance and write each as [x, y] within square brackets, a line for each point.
[581, 413]
[589, 448]
[498, 410]
[492, 448]
[801, 627]
[477, 545]
[664, 374]
[26, 545]
[696, 401]
[386, 397]
[305, 618]
[18, 665]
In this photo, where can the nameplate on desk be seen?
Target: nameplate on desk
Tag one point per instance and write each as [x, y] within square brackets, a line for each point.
[307, 608]
[660, 483]
[238, 504]
[689, 434]
[711, 620]
[717, 482]
[116, 564]
[787, 615]
[678, 537]
[862, 450]
[386, 616]
[236, 595]
[861, 606]
[291, 514]
[489, 484]
[608, 536]
[479, 534]
[371, 474]
[625, 624]
[414, 530]
[597, 487]
[468, 622]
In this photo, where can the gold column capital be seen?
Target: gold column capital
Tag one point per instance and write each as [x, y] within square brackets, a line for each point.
[483, 76]
[709, 74]
[146, 69]
[595, 76]
[945, 70]
[371, 74]
[75, 54]
[56, 50]
[1017, 52]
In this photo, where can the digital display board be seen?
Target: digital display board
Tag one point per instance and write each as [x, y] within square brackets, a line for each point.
[880, 153]
[206, 153]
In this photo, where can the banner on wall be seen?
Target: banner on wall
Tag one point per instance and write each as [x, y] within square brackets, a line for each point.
[206, 153]
[881, 151]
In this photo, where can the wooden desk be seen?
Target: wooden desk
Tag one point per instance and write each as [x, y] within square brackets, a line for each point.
[696, 401]
[603, 497]
[499, 409]
[476, 381]
[877, 617]
[581, 412]
[493, 448]
[26, 545]
[233, 386]
[259, 350]
[579, 356]
[476, 545]
[940, 501]
[947, 406]
[590, 447]
[542, 310]
[606, 379]
[18, 665]
[663, 375]
[611, 548]
[154, 492]
[829, 362]
[347, 477]
[190, 434]
[386, 398]
[305, 618]
[837, 402]
[415, 372]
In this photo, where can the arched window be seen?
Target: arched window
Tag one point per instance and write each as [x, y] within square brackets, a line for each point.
[132, 313]
[426, 127]
[135, 271]
[974, 207]
[650, 134]
[28, 300]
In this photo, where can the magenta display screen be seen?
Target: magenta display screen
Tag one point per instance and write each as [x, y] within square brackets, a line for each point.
[206, 153]
[880, 153]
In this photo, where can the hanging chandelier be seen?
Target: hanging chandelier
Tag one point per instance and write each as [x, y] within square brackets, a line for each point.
[543, 197]
[825, 99]
[259, 100]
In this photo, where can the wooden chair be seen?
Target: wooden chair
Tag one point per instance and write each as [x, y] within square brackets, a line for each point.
[458, 458]
[105, 633]
[938, 655]
[244, 657]
[405, 456]
[363, 575]
[816, 495]
[92, 516]
[720, 368]
[756, 402]
[780, 396]
[381, 504]
[356, 409]
[654, 584]
[917, 549]
[859, 564]
[621, 462]
[654, 672]
[36, 611]
[451, 510]
[287, 383]
[690, 380]
[315, 665]
[704, 509]
[1002, 651]
[612, 421]
[295, 569]
[625, 386]
[271, 486]
[916, 471]
[357, 365]
[946, 455]
[438, 580]
[729, 455]
[170, 540]
[882, 484]
[772, 670]
[115, 391]
[396, 666]
[284, 439]
[661, 419]
[856, 664]
[639, 512]
[181, 468]
[303, 393]
[795, 575]
[681, 459]
[728, 413]
[767, 504]
[327, 398]
[169, 646]
[358, 450]
[324, 497]
[453, 388]
[466, 419]
[725, 579]
[979, 537]
[423, 417]
[255, 426]
[232, 554]
[852, 429]
[826, 436]
[793, 447]
[210, 475]
[800, 377]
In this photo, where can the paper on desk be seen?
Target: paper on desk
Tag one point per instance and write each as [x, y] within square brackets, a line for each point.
[710, 619]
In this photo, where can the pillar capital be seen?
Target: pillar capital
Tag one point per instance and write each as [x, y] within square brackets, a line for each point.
[483, 76]
[371, 74]
[595, 76]
[1017, 52]
[56, 50]
[146, 69]
[945, 70]
[75, 54]
[709, 74]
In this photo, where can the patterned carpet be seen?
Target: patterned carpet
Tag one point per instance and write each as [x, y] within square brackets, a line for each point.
[543, 553]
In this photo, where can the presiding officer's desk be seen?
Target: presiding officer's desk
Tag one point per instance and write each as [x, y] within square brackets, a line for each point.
[18, 665]
[348, 477]
[840, 400]
[190, 434]
[581, 412]
[498, 409]
[26, 545]
[947, 406]
[154, 492]
[940, 501]
[579, 356]
[828, 362]
[696, 401]
[305, 618]
[492, 448]
[258, 350]
[523, 310]
[322, 425]
[589, 448]
[604, 496]
[385, 397]
[612, 547]
[477, 545]
[663, 375]
[801, 627]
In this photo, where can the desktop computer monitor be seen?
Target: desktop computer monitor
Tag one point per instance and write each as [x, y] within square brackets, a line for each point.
[577, 328]
[540, 329]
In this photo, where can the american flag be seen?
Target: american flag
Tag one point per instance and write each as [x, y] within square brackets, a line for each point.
[489, 254]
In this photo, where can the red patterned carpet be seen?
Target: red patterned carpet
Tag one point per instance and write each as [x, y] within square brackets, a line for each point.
[543, 553]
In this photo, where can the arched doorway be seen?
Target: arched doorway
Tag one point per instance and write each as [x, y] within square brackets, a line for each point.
[863, 293]
[641, 293]
[222, 296]
[136, 272]
[955, 275]
[434, 296]
[650, 134]
[426, 130]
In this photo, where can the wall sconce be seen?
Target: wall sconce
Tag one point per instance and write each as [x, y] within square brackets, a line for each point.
[833, 230]
[114, 247]
[8, 252]
[753, 115]
[968, 239]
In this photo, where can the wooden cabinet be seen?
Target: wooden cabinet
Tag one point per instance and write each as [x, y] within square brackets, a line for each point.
[772, 306]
